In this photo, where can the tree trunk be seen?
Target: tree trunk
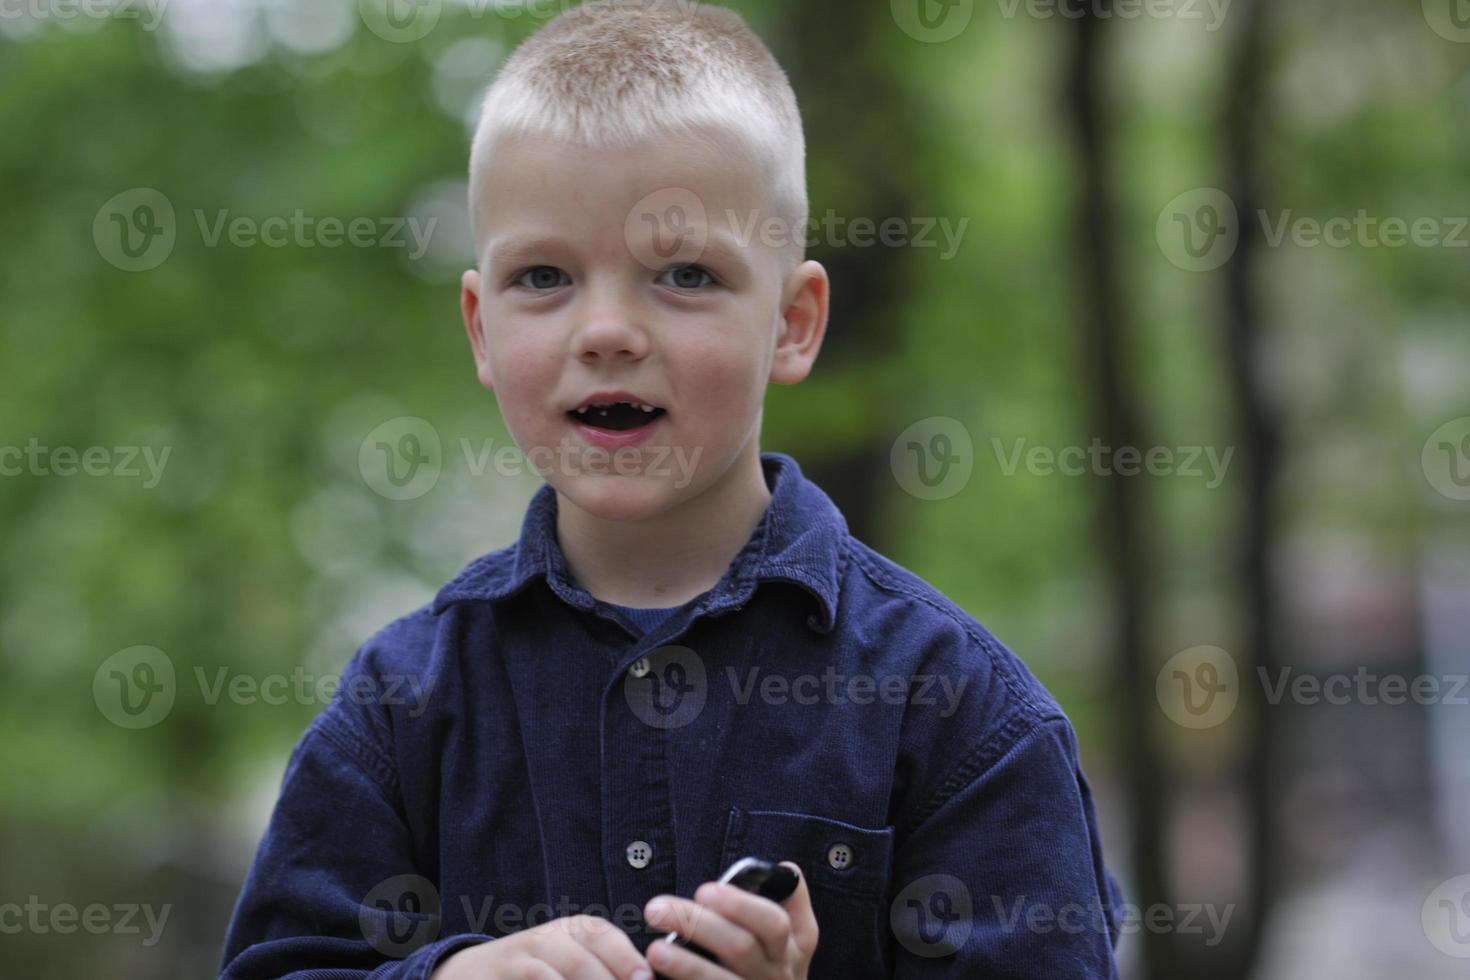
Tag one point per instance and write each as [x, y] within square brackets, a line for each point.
[1257, 443]
[1121, 530]
[834, 74]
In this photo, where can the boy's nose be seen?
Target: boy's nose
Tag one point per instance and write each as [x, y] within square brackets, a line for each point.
[610, 336]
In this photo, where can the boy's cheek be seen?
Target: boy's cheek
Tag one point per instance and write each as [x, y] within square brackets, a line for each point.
[522, 381]
[717, 383]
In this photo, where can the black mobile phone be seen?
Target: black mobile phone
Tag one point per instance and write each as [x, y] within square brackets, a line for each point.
[764, 878]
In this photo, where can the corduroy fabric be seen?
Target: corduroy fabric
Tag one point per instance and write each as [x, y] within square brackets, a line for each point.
[517, 750]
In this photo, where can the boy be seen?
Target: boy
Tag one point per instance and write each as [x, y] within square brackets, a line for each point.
[685, 659]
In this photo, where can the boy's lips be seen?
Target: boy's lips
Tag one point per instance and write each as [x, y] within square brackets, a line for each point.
[615, 418]
[611, 398]
[614, 438]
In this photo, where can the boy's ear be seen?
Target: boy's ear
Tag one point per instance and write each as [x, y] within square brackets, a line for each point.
[469, 308]
[803, 323]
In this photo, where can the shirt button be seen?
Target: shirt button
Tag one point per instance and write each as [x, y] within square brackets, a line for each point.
[839, 856]
[640, 667]
[640, 852]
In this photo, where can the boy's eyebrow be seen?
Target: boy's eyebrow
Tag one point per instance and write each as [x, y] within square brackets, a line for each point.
[722, 246]
[512, 250]
[718, 245]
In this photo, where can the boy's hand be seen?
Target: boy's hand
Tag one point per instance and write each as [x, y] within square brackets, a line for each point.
[574, 947]
[755, 938]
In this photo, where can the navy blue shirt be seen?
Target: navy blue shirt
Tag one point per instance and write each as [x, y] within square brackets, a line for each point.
[644, 617]
[518, 750]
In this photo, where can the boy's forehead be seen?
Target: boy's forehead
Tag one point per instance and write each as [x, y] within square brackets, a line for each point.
[673, 198]
[527, 173]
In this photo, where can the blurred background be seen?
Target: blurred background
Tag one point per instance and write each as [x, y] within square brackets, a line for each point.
[1161, 370]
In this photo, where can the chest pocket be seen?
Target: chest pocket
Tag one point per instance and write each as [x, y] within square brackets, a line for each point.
[847, 871]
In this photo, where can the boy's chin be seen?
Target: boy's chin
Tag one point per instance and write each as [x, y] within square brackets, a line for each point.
[618, 498]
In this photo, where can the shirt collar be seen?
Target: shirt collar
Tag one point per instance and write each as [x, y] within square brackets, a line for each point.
[801, 538]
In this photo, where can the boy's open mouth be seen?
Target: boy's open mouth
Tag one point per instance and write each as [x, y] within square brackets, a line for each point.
[618, 416]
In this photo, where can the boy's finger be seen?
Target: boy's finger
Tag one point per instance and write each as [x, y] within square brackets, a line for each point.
[799, 907]
[566, 958]
[679, 963]
[700, 924]
[611, 946]
[768, 922]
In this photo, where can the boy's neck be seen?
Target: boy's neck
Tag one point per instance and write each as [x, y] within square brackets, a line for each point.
[674, 556]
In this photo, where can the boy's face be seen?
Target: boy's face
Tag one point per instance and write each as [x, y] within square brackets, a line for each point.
[637, 275]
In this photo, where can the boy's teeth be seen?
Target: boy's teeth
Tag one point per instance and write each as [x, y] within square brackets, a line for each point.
[617, 416]
[604, 406]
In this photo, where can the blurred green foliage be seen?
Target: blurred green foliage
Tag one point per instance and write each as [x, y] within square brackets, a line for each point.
[262, 550]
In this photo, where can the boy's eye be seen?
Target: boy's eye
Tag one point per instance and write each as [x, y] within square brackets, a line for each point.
[688, 276]
[541, 277]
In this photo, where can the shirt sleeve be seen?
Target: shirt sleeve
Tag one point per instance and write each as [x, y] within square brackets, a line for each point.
[1004, 877]
[334, 891]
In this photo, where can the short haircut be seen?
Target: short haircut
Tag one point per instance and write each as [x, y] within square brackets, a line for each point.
[610, 73]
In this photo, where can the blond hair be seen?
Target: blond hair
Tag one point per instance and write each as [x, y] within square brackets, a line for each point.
[611, 73]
